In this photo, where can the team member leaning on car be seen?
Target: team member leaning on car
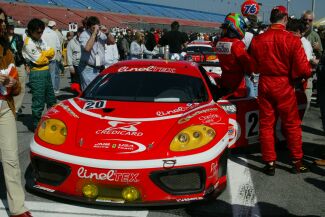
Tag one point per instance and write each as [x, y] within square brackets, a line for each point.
[234, 60]
[281, 60]
[38, 55]
[9, 87]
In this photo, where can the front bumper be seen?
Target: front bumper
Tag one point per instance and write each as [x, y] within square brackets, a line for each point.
[157, 186]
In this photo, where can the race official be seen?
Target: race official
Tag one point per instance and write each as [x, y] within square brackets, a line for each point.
[281, 60]
[234, 60]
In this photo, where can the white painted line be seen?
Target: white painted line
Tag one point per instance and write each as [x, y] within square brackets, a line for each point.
[242, 192]
[39, 209]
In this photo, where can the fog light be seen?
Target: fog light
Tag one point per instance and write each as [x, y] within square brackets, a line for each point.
[90, 191]
[130, 194]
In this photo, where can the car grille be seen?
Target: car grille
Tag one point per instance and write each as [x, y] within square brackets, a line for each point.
[180, 181]
[50, 172]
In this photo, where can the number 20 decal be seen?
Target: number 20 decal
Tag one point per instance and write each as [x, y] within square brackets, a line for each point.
[95, 104]
[252, 125]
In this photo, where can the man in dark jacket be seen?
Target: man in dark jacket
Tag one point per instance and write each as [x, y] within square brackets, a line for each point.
[16, 46]
[175, 39]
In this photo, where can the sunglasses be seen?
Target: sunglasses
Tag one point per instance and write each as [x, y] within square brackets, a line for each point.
[308, 20]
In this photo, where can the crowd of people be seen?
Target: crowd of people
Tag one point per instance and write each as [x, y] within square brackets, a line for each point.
[269, 66]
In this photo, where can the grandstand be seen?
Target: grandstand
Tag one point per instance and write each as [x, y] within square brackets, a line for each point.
[112, 13]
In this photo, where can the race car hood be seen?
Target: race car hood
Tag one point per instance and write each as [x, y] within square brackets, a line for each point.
[125, 128]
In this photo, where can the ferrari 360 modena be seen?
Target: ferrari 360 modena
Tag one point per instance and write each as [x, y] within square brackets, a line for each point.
[142, 133]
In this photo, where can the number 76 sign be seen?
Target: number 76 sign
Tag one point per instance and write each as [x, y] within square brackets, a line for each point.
[250, 7]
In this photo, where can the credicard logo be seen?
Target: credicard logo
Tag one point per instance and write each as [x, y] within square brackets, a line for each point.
[121, 128]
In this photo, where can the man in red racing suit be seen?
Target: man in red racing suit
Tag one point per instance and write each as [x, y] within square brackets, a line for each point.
[280, 59]
[233, 57]
[234, 62]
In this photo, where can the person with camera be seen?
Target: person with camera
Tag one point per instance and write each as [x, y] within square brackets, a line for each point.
[92, 60]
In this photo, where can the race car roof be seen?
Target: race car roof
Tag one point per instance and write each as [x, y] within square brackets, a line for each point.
[179, 67]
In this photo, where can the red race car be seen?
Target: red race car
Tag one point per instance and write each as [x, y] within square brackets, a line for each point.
[142, 133]
[201, 51]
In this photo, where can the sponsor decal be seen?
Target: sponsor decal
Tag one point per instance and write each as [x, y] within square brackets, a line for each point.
[120, 146]
[189, 117]
[189, 199]
[146, 69]
[44, 188]
[110, 175]
[234, 131]
[177, 110]
[210, 119]
[68, 109]
[121, 128]
[52, 110]
[229, 108]
[168, 164]
[223, 47]
[213, 170]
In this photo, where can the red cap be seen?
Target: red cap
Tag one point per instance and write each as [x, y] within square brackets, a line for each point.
[281, 8]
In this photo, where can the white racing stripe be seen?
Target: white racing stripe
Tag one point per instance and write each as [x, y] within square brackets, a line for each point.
[41, 209]
[242, 192]
[198, 158]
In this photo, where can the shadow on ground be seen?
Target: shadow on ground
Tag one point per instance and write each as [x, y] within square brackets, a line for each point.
[220, 208]
[26, 119]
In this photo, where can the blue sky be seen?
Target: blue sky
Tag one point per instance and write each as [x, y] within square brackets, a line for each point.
[296, 7]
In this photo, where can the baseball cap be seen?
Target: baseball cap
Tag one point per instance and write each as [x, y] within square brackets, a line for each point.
[281, 9]
[51, 23]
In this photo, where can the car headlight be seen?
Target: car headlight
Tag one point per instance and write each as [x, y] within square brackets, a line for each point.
[52, 131]
[192, 137]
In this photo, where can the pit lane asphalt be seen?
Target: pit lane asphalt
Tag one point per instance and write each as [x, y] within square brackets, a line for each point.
[249, 192]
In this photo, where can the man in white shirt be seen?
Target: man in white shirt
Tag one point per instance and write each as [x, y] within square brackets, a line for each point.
[73, 56]
[298, 28]
[111, 51]
[92, 59]
[51, 39]
[251, 80]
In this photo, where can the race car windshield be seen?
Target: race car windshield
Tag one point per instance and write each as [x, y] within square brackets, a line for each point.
[147, 87]
[199, 49]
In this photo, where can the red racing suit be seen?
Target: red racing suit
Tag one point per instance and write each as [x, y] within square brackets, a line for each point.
[280, 59]
[234, 63]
